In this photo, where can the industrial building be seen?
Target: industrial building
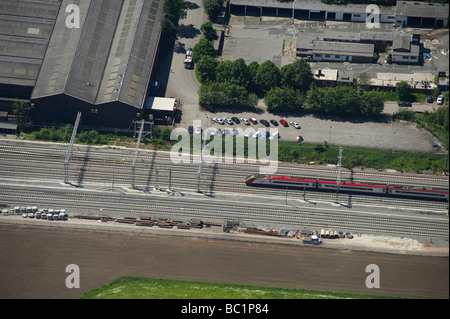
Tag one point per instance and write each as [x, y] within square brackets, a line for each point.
[405, 13]
[421, 14]
[101, 68]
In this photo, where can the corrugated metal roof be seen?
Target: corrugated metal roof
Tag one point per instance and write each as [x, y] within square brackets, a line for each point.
[109, 58]
[422, 9]
[25, 30]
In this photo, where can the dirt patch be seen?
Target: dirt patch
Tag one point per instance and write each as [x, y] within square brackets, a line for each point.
[34, 260]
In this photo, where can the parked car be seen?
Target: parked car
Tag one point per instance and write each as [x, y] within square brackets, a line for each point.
[429, 99]
[257, 135]
[264, 122]
[299, 138]
[228, 120]
[440, 100]
[218, 120]
[274, 136]
[404, 103]
[274, 122]
[235, 120]
[249, 133]
[191, 129]
[198, 130]
[295, 124]
[284, 123]
[245, 121]
[216, 131]
[253, 120]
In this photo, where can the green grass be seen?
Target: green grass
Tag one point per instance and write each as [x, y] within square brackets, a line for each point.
[413, 97]
[146, 288]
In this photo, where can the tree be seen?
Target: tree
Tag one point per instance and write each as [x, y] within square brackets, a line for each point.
[202, 48]
[283, 99]
[372, 103]
[206, 69]
[252, 68]
[239, 73]
[297, 75]
[223, 71]
[208, 31]
[21, 111]
[268, 76]
[403, 88]
[174, 10]
[363, 79]
[224, 94]
[212, 8]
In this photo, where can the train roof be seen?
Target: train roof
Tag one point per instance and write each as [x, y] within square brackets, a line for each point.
[430, 190]
[292, 179]
[349, 183]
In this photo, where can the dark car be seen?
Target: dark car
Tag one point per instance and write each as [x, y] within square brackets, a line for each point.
[264, 122]
[429, 99]
[404, 103]
[274, 122]
[235, 120]
[191, 129]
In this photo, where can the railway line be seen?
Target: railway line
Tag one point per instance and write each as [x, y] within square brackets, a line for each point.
[137, 205]
[211, 182]
[56, 154]
[30, 165]
[91, 165]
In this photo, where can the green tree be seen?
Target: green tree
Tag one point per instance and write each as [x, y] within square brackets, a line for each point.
[403, 90]
[239, 73]
[372, 103]
[252, 68]
[206, 69]
[223, 71]
[212, 8]
[283, 100]
[224, 94]
[21, 112]
[208, 31]
[268, 76]
[203, 48]
[297, 75]
[174, 10]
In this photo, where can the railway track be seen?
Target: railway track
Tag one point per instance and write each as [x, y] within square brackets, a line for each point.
[209, 183]
[138, 205]
[163, 159]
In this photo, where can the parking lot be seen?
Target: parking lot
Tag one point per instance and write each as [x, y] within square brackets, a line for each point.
[256, 40]
[384, 134]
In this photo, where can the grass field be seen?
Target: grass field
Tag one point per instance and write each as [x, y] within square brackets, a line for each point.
[145, 288]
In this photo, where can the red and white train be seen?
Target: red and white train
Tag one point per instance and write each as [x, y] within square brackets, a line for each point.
[346, 186]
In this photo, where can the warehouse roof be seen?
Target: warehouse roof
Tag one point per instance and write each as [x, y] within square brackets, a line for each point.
[25, 30]
[311, 5]
[109, 58]
[422, 9]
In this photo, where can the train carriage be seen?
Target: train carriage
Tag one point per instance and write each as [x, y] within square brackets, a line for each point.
[281, 181]
[417, 192]
[352, 186]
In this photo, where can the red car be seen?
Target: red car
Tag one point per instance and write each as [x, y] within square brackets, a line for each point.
[253, 120]
[284, 123]
[299, 138]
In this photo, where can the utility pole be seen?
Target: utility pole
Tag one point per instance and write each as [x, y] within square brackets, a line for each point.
[133, 164]
[338, 179]
[70, 148]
